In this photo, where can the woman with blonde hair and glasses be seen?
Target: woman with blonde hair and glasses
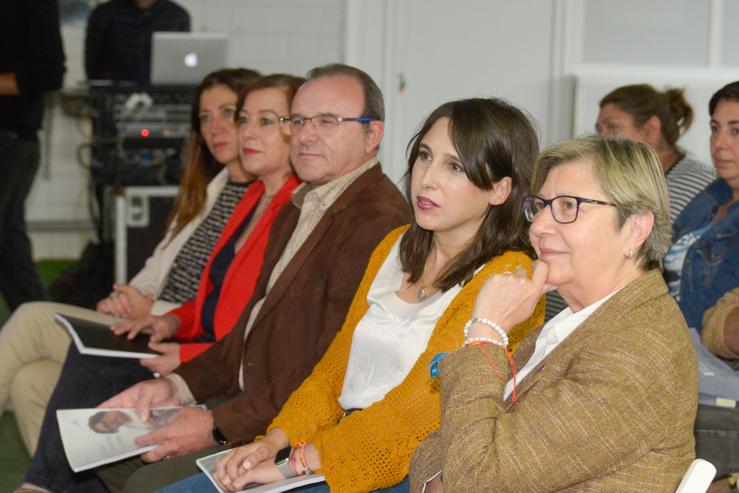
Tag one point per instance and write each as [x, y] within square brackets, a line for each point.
[604, 396]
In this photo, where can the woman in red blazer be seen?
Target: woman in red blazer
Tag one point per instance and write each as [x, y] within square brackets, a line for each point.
[231, 273]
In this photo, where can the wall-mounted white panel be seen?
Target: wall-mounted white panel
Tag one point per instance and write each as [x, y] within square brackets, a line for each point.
[665, 32]
[479, 48]
[730, 33]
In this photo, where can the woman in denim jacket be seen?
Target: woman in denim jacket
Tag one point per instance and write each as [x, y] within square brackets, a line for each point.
[703, 263]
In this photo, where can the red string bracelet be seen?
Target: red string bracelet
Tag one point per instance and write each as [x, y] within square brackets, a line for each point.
[490, 360]
[509, 356]
[303, 462]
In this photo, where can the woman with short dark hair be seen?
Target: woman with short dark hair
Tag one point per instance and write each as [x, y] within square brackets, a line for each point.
[703, 264]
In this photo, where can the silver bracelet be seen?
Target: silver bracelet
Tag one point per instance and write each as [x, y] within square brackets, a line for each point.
[493, 325]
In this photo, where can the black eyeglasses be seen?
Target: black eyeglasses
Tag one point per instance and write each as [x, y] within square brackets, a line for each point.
[324, 123]
[564, 207]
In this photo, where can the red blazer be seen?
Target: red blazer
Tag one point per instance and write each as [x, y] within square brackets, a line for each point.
[242, 274]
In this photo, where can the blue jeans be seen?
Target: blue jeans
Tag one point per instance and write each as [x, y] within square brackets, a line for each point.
[85, 381]
[201, 484]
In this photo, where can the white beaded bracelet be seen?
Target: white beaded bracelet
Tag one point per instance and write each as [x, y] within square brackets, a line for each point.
[473, 340]
[497, 328]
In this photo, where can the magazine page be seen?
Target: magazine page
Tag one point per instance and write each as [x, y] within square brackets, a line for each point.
[93, 437]
[208, 464]
[96, 339]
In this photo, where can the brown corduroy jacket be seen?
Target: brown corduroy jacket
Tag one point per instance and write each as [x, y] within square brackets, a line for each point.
[611, 408]
[302, 312]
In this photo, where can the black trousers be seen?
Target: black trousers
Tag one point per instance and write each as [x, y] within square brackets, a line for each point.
[19, 280]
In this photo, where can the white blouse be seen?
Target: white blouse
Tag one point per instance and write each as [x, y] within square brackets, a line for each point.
[390, 337]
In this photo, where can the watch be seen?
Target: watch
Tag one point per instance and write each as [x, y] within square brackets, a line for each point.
[218, 435]
[285, 468]
[282, 461]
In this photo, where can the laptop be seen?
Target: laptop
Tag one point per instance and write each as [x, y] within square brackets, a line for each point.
[179, 58]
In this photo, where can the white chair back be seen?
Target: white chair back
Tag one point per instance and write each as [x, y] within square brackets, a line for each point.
[698, 478]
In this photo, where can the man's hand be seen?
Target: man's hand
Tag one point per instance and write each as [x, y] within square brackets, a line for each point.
[190, 430]
[167, 362]
[160, 392]
[160, 328]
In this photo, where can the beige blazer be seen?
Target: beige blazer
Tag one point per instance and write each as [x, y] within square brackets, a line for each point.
[153, 276]
[714, 320]
[609, 409]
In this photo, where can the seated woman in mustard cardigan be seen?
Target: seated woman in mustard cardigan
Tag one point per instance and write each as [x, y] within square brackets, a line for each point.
[605, 395]
[371, 399]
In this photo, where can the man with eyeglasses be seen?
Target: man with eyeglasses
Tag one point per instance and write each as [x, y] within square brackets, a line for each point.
[345, 208]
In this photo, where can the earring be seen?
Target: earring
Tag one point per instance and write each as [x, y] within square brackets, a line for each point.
[630, 253]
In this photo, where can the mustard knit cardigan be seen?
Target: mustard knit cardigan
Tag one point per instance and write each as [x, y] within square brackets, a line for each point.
[372, 448]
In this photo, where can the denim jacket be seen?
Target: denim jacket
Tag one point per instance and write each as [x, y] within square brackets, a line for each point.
[711, 265]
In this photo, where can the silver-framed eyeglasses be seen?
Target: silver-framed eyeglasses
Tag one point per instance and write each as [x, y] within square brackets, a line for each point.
[264, 119]
[324, 123]
[565, 208]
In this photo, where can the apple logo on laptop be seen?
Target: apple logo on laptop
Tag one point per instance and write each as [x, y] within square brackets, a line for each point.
[191, 59]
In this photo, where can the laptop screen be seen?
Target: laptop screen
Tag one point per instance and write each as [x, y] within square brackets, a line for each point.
[186, 58]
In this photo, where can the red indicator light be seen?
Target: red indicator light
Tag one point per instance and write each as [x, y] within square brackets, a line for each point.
[144, 132]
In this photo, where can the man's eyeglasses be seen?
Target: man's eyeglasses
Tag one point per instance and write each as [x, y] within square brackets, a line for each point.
[564, 207]
[324, 123]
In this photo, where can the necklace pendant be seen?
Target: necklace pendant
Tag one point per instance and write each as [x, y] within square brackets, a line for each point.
[422, 293]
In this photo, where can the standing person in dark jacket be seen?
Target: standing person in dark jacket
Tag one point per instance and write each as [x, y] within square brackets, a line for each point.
[118, 41]
[31, 63]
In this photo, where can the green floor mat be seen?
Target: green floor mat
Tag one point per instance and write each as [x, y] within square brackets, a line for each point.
[14, 459]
